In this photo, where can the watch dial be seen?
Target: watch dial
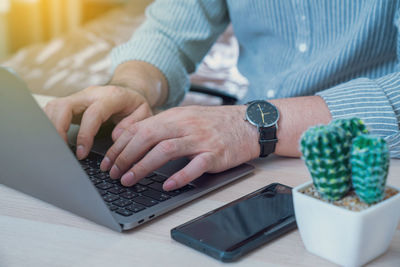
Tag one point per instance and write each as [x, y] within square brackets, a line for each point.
[262, 113]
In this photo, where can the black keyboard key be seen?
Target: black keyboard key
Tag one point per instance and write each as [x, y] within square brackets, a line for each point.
[157, 186]
[159, 178]
[113, 208]
[110, 197]
[129, 195]
[150, 175]
[103, 175]
[145, 181]
[95, 163]
[124, 212]
[104, 185]
[122, 202]
[102, 192]
[114, 181]
[95, 180]
[135, 207]
[156, 195]
[92, 172]
[137, 188]
[116, 190]
[85, 166]
[148, 202]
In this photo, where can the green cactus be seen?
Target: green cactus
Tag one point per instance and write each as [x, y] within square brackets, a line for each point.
[326, 151]
[353, 126]
[369, 164]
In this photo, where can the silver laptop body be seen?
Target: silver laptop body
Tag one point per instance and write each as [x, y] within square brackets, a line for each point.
[35, 160]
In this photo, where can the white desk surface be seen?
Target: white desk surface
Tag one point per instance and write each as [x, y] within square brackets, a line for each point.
[34, 233]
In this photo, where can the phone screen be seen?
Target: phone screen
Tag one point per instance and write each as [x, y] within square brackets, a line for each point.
[237, 223]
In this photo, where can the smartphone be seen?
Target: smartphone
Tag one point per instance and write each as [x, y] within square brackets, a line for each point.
[238, 227]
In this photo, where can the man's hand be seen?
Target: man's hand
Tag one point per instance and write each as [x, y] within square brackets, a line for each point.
[137, 87]
[214, 138]
[94, 106]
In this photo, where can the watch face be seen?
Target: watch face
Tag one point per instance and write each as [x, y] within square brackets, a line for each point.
[262, 113]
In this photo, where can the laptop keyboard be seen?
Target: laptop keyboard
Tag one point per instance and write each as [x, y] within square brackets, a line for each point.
[128, 200]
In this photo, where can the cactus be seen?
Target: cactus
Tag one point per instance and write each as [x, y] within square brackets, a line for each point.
[326, 151]
[353, 126]
[369, 164]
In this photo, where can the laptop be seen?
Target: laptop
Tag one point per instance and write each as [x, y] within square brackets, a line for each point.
[35, 160]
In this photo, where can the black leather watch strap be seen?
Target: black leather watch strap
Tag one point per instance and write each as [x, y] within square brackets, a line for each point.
[267, 140]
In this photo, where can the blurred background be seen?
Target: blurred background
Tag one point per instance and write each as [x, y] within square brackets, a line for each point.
[24, 22]
[59, 47]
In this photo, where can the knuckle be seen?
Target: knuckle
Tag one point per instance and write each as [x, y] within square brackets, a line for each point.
[140, 169]
[181, 178]
[83, 137]
[115, 90]
[123, 161]
[146, 134]
[112, 153]
[204, 162]
[167, 147]
[53, 104]
[132, 129]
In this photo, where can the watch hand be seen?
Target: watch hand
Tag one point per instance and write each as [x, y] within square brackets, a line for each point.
[262, 114]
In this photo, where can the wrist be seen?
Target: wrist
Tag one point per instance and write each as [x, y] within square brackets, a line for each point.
[251, 133]
[144, 79]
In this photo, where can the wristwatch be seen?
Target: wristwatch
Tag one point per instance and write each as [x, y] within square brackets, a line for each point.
[264, 116]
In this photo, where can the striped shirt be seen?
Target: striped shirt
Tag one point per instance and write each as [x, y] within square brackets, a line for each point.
[341, 50]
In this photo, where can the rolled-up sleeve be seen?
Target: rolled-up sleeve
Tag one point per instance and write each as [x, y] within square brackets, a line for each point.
[376, 101]
[175, 37]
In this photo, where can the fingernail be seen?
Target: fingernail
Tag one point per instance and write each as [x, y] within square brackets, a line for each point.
[105, 164]
[114, 172]
[80, 152]
[170, 185]
[128, 179]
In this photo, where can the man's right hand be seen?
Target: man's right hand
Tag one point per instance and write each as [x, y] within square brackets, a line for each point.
[94, 106]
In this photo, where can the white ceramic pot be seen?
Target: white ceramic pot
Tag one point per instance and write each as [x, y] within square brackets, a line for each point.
[347, 238]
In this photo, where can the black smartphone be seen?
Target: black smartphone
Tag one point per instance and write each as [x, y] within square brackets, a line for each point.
[238, 227]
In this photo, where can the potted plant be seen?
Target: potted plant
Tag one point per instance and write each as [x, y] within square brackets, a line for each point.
[346, 214]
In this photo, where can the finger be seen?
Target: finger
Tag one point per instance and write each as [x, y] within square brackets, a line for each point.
[61, 111]
[195, 168]
[162, 153]
[61, 119]
[145, 138]
[94, 116]
[141, 113]
[116, 149]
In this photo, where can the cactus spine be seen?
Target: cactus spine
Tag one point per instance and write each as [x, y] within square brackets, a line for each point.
[369, 165]
[326, 151]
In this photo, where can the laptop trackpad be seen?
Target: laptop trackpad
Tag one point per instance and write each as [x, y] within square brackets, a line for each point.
[173, 166]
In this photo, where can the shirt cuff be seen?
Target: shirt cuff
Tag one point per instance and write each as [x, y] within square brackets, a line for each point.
[162, 56]
[365, 99]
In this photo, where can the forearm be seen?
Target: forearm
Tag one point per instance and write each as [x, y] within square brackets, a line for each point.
[143, 78]
[297, 114]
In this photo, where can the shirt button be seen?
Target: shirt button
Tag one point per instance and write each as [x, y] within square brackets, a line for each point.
[270, 93]
[303, 18]
[302, 47]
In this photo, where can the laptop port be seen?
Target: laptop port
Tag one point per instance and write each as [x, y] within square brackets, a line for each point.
[142, 220]
[151, 216]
